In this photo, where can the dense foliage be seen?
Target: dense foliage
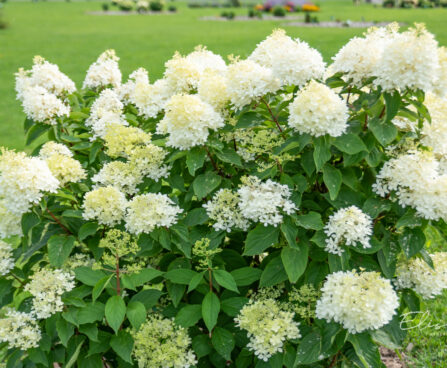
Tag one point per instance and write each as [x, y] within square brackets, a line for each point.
[266, 213]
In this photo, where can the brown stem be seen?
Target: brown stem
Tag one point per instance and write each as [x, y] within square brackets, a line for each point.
[117, 271]
[210, 276]
[349, 95]
[333, 361]
[383, 112]
[234, 144]
[16, 277]
[275, 119]
[365, 126]
[68, 232]
[211, 158]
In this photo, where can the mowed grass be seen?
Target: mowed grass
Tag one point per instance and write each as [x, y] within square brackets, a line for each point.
[65, 34]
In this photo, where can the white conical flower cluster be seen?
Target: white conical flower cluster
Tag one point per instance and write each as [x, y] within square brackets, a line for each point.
[47, 288]
[7, 261]
[107, 205]
[416, 274]
[348, 226]
[104, 71]
[359, 301]
[268, 327]
[20, 330]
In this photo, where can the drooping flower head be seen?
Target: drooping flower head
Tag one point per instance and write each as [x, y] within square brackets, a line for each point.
[318, 110]
[359, 301]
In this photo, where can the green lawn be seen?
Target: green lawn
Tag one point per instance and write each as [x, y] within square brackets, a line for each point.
[63, 33]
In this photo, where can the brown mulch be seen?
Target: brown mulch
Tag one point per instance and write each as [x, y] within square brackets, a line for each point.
[390, 358]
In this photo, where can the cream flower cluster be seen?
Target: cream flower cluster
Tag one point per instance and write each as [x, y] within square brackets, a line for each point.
[121, 141]
[182, 74]
[106, 111]
[61, 164]
[20, 330]
[293, 62]
[223, 209]
[7, 261]
[213, 89]
[440, 84]
[10, 223]
[104, 71]
[358, 301]
[268, 327]
[23, 181]
[120, 175]
[148, 98]
[40, 89]
[359, 57]
[159, 342]
[434, 133]
[264, 201]
[248, 81]
[416, 274]
[187, 121]
[418, 180]
[318, 110]
[149, 211]
[46, 75]
[107, 205]
[348, 226]
[47, 287]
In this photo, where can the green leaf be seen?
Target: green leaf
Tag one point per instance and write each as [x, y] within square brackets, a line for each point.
[136, 313]
[295, 261]
[210, 310]
[260, 238]
[59, 249]
[392, 103]
[274, 273]
[202, 345]
[309, 349]
[64, 330]
[144, 276]
[89, 330]
[385, 132]
[249, 119]
[122, 344]
[115, 312]
[366, 350]
[206, 183]
[36, 131]
[290, 231]
[88, 276]
[75, 355]
[195, 217]
[223, 341]
[332, 178]
[226, 280]
[232, 306]
[182, 276]
[350, 143]
[312, 221]
[96, 148]
[322, 154]
[87, 229]
[195, 159]
[230, 156]
[91, 313]
[189, 315]
[29, 220]
[195, 281]
[411, 241]
[148, 297]
[246, 275]
[100, 286]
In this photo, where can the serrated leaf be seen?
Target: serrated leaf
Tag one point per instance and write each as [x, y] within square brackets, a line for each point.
[206, 183]
[122, 344]
[226, 280]
[87, 229]
[223, 341]
[333, 179]
[59, 249]
[189, 315]
[136, 313]
[274, 273]
[195, 159]
[295, 261]
[350, 143]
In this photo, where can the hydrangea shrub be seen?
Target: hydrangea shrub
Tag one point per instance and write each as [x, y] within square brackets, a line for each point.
[267, 212]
